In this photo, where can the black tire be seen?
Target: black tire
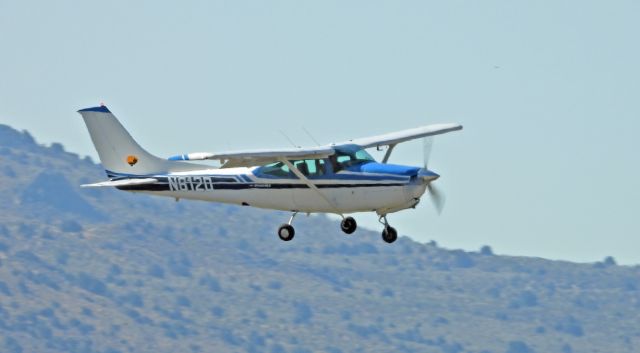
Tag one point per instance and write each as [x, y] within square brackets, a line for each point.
[348, 225]
[389, 234]
[286, 232]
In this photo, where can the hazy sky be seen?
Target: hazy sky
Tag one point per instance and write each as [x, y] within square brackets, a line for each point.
[548, 92]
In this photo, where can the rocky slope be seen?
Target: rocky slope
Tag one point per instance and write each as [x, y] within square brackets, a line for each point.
[107, 271]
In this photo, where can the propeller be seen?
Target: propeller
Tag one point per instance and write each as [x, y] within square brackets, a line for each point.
[427, 145]
[437, 196]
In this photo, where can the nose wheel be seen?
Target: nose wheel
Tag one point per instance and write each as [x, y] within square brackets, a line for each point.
[389, 234]
[348, 225]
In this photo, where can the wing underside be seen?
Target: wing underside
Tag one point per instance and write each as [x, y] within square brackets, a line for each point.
[251, 158]
[397, 137]
[257, 157]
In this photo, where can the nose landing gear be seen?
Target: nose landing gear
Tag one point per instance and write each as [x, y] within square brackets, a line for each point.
[389, 234]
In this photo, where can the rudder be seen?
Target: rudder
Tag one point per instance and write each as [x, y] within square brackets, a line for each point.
[119, 152]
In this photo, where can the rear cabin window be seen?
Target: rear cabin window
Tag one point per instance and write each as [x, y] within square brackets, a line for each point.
[277, 169]
[308, 167]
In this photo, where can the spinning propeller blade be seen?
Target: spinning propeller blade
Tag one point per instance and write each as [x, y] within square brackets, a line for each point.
[427, 145]
[436, 195]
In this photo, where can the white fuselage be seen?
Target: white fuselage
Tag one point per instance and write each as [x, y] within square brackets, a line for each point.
[344, 192]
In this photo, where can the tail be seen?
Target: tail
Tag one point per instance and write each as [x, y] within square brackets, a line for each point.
[119, 152]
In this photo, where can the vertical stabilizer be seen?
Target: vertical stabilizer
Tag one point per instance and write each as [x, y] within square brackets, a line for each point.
[119, 152]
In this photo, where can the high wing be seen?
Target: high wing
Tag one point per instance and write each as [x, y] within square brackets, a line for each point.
[250, 158]
[397, 137]
[121, 182]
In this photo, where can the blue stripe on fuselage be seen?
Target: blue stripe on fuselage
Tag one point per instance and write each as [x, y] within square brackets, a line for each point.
[383, 168]
[372, 180]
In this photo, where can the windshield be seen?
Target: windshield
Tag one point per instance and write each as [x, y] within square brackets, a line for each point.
[346, 158]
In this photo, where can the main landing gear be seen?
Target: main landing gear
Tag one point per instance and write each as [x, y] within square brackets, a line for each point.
[389, 234]
[286, 230]
[348, 225]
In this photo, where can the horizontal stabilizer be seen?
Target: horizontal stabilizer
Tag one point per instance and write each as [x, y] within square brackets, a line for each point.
[121, 182]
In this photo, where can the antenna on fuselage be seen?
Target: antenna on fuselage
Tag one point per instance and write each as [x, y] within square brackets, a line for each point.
[288, 139]
[310, 136]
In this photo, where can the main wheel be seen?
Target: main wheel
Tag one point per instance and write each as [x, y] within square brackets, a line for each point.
[286, 232]
[389, 234]
[348, 225]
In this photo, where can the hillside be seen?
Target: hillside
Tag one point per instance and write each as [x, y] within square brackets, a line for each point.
[107, 271]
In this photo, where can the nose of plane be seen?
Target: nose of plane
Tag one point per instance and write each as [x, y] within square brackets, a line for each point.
[428, 175]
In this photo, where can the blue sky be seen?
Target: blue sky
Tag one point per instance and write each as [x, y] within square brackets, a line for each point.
[548, 92]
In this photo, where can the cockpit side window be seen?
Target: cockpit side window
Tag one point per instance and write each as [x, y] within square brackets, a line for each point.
[310, 167]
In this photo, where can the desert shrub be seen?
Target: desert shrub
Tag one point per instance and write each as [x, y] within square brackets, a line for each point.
[217, 311]
[570, 326]
[261, 315]
[12, 346]
[524, 299]
[210, 282]
[4, 289]
[26, 230]
[486, 250]
[70, 226]
[302, 313]
[133, 299]
[115, 270]
[180, 265]
[462, 259]
[230, 338]
[91, 284]
[519, 347]
[181, 300]
[155, 270]
[364, 331]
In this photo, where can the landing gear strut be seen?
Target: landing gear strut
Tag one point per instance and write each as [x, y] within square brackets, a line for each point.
[389, 234]
[348, 225]
[286, 231]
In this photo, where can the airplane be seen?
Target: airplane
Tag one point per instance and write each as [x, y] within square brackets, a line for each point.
[339, 178]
